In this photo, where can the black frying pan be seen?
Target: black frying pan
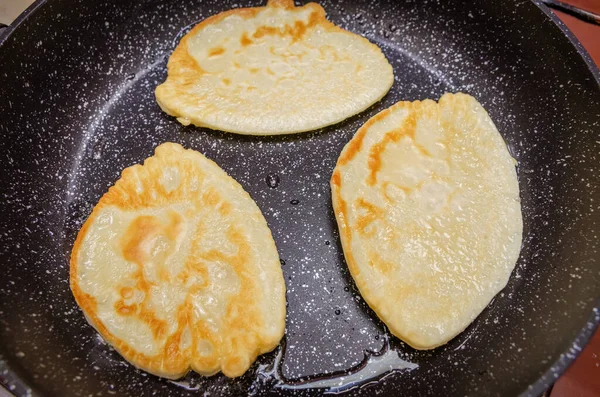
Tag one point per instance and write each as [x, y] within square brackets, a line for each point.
[77, 107]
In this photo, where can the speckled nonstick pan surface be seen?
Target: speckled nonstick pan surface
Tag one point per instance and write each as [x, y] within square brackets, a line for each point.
[77, 107]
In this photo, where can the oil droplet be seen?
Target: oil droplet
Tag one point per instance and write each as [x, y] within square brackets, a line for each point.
[346, 289]
[130, 77]
[185, 385]
[294, 202]
[393, 28]
[327, 242]
[282, 262]
[338, 312]
[272, 180]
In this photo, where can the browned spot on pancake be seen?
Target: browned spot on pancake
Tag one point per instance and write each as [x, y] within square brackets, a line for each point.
[211, 198]
[281, 3]
[172, 348]
[295, 31]
[266, 31]
[407, 128]
[245, 40]
[180, 60]
[374, 162]
[335, 178]
[216, 51]
[299, 30]
[124, 309]
[139, 237]
[158, 326]
[372, 213]
[254, 70]
[316, 17]
[377, 262]
[198, 269]
[225, 208]
[355, 144]
[138, 246]
[126, 292]
[353, 147]
[162, 273]
[226, 81]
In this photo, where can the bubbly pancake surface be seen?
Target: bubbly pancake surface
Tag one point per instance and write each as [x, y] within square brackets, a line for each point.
[427, 202]
[177, 269]
[270, 70]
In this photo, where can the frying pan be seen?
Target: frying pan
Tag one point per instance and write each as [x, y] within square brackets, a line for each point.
[77, 107]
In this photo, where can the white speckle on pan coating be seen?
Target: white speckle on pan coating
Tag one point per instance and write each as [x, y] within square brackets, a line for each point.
[79, 111]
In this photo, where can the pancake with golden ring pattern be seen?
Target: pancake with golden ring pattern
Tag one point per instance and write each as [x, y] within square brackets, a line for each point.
[272, 70]
[427, 202]
[177, 269]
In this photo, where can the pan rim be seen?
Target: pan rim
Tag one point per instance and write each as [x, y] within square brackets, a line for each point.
[560, 366]
[20, 19]
[9, 376]
[591, 65]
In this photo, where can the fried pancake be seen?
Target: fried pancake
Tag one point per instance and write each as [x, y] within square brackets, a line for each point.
[176, 268]
[427, 202]
[272, 70]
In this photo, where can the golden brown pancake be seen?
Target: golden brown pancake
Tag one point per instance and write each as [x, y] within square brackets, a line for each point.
[272, 70]
[176, 268]
[427, 202]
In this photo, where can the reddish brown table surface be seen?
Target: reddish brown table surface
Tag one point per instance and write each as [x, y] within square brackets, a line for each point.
[582, 379]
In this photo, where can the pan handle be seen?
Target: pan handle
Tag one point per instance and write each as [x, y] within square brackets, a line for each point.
[586, 16]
